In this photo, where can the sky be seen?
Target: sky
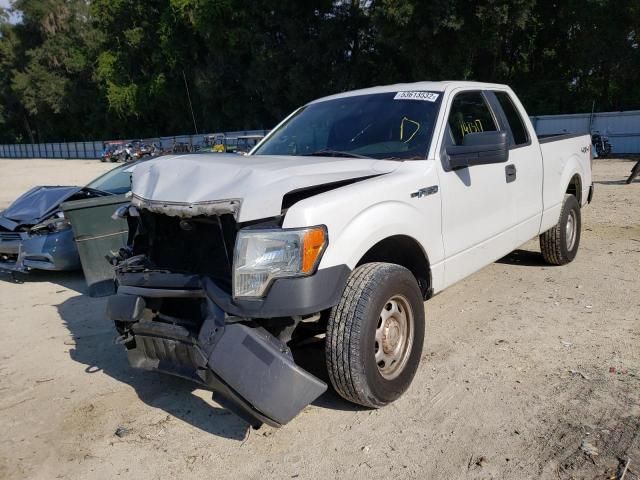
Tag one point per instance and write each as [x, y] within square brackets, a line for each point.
[14, 18]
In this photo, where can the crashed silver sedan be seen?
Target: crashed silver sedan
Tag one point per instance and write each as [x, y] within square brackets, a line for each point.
[34, 233]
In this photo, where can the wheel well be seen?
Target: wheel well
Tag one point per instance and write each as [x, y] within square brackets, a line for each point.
[575, 188]
[407, 252]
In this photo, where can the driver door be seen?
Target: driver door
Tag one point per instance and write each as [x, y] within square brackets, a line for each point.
[476, 204]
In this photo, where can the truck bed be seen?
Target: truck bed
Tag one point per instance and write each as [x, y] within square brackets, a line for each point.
[558, 152]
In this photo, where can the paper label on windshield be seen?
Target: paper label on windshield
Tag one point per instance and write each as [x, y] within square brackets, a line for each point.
[417, 95]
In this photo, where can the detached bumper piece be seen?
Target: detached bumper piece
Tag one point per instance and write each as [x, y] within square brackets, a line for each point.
[249, 370]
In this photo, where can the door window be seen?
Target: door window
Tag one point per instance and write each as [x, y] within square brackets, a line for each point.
[518, 130]
[470, 113]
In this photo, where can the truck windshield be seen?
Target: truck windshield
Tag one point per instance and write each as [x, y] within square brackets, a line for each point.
[394, 125]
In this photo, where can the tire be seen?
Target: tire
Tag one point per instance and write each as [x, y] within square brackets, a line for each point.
[558, 245]
[356, 330]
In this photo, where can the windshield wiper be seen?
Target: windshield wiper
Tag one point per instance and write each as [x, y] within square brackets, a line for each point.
[333, 153]
[415, 157]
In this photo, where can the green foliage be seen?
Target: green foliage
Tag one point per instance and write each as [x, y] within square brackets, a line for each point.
[84, 69]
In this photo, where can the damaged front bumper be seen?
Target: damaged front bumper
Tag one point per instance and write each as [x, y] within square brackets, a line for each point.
[250, 371]
[21, 252]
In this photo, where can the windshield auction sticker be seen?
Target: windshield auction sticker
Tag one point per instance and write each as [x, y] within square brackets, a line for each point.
[416, 95]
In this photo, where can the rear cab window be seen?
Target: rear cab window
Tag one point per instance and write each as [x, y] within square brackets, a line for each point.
[513, 118]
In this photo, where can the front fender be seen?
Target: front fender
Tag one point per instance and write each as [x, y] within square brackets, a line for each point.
[370, 226]
[360, 215]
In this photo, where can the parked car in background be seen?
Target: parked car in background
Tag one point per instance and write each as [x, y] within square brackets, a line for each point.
[181, 147]
[111, 152]
[245, 143]
[221, 143]
[34, 233]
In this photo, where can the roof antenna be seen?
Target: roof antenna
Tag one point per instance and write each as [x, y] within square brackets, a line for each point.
[186, 87]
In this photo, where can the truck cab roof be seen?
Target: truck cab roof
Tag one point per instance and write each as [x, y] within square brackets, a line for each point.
[441, 86]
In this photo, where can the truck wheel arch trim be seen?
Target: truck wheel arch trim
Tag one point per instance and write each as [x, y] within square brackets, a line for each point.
[576, 180]
[407, 252]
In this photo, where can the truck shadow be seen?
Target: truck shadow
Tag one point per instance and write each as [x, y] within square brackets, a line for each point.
[312, 359]
[73, 280]
[94, 347]
[612, 182]
[525, 258]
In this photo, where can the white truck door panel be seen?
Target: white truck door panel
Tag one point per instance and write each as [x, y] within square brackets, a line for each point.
[475, 219]
[477, 212]
[525, 189]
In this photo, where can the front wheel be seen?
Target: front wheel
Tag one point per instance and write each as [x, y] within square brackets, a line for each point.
[375, 335]
[559, 245]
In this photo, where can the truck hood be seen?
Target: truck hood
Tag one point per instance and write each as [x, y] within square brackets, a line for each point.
[251, 187]
[34, 205]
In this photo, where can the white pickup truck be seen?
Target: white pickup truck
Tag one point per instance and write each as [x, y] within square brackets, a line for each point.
[335, 228]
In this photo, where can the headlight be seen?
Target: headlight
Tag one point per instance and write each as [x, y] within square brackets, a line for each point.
[264, 255]
[55, 223]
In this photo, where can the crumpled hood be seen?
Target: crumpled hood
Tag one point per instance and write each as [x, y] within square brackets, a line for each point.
[257, 182]
[34, 205]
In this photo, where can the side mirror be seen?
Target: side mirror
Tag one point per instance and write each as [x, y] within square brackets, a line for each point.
[479, 148]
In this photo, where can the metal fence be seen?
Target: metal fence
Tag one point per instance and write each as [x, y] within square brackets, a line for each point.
[93, 150]
[622, 128]
[52, 150]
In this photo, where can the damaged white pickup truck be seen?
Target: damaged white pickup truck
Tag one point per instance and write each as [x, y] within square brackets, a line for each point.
[335, 228]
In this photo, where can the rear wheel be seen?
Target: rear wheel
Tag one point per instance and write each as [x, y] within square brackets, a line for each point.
[559, 245]
[375, 335]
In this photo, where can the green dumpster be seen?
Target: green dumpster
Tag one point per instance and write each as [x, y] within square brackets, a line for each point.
[97, 235]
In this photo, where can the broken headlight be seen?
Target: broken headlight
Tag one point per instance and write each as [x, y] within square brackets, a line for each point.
[56, 223]
[262, 255]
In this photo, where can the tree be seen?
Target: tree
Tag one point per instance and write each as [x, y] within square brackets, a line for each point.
[84, 69]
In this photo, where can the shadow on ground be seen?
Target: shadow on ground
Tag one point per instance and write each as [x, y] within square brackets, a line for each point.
[525, 258]
[71, 280]
[95, 348]
[615, 182]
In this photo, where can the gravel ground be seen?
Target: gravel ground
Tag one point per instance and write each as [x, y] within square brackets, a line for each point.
[528, 371]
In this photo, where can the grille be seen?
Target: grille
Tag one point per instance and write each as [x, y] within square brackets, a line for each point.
[10, 236]
[200, 245]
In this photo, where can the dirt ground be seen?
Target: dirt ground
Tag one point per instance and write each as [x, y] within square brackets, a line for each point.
[528, 371]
